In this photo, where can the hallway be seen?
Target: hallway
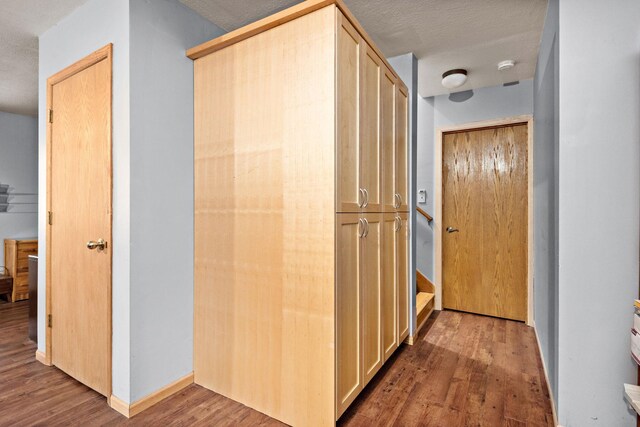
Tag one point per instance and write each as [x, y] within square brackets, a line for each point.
[465, 370]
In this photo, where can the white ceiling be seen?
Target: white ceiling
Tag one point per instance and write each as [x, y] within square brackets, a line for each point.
[443, 34]
[21, 22]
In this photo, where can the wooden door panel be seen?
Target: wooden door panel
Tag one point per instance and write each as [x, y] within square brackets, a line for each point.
[348, 107]
[402, 274]
[402, 152]
[485, 194]
[388, 114]
[348, 319]
[389, 286]
[370, 165]
[80, 199]
[371, 296]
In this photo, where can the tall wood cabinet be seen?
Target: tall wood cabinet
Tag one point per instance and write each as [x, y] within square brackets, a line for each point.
[301, 275]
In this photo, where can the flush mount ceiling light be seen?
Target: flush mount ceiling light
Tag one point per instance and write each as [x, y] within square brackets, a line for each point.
[506, 65]
[454, 78]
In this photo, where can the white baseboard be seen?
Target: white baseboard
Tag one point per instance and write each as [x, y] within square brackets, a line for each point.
[546, 377]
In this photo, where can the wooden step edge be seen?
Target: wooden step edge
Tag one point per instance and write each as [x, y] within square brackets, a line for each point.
[422, 301]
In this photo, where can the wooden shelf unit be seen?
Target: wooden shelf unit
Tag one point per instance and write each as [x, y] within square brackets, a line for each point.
[16, 259]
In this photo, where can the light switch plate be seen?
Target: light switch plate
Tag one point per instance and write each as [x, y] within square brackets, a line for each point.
[422, 196]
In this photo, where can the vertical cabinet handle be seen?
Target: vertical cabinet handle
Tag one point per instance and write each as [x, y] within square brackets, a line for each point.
[398, 222]
[361, 228]
[396, 199]
[366, 199]
[366, 228]
[361, 200]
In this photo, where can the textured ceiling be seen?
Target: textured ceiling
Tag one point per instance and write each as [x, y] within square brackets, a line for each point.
[443, 34]
[21, 22]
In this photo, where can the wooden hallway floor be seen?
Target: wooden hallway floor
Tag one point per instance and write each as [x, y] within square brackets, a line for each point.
[465, 370]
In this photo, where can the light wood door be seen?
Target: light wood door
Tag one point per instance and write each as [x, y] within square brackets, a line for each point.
[370, 139]
[389, 284]
[80, 202]
[402, 273]
[388, 116]
[484, 254]
[371, 267]
[349, 192]
[350, 229]
[401, 152]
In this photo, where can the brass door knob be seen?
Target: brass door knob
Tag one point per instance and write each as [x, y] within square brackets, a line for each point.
[100, 245]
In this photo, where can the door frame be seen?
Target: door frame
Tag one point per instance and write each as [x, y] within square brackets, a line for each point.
[104, 53]
[438, 228]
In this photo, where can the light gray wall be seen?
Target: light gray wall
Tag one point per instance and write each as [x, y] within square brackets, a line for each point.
[407, 68]
[19, 170]
[162, 190]
[425, 177]
[599, 210]
[545, 194]
[90, 27]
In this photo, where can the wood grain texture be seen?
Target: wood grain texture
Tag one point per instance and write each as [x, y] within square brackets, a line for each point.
[389, 287]
[16, 261]
[371, 295]
[348, 73]
[33, 394]
[402, 275]
[464, 370]
[349, 376]
[264, 221]
[370, 147]
[402, 151]
[485, 196]
[388, 141]
[455, 375]
[280, 18]
[79, 195]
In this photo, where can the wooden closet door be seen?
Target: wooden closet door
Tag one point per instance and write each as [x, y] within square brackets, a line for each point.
[389, 311]
[388, 119]
[401, 152]
[349, 192]
[350, 230]
[402, 274]
[371, 295]
[370, 147]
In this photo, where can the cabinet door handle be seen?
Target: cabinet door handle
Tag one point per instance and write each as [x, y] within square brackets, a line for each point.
[366, 198]
[398, 222]
[396, 199]
[361, 228]
[400, 200]
[366, 229]
[361, 199]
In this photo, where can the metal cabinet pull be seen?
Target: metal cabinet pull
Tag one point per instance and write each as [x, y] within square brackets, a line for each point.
[396, 199]
[361, 200]
[361, 228]
[366, 230]
[398, 224]
[366, 198]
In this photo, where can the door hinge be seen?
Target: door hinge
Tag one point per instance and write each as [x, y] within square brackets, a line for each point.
[50, 115]
[50, 217]
[49, 322]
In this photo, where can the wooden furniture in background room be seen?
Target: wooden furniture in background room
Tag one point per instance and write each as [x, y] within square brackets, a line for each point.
[6, 283]
[301, 233]
[16, 260]
[33, 298]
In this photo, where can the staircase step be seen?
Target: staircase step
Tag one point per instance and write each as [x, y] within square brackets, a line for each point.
[422, 301]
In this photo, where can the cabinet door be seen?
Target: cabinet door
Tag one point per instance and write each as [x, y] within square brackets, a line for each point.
[348, 189]
[350, 230]
[401, 152]
[389, 311]
[371, 296]
[388, 115]
[370, 147]
[402, 275]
